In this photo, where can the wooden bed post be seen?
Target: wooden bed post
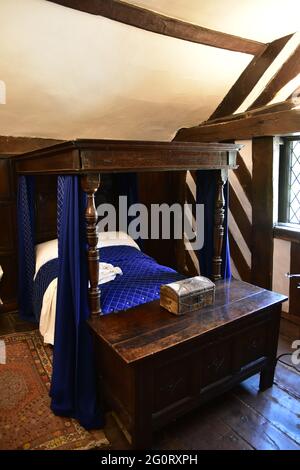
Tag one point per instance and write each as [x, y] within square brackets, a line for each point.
[90, 184]
[221, 177]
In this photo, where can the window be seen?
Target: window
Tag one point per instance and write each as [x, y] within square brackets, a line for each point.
[289, 182]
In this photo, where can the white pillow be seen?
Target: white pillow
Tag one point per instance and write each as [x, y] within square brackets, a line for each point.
[115, 238]
[45, 252]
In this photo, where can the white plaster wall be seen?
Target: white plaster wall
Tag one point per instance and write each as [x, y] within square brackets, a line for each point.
[69, 74]
[281, 266]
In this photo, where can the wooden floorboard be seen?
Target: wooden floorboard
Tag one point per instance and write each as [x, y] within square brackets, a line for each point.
[280, 409]
[243, 419]
[288, 380]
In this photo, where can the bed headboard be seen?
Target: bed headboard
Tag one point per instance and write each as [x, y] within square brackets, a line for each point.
[46, 203]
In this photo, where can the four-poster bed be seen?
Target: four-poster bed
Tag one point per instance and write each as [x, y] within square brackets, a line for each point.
[150, 364]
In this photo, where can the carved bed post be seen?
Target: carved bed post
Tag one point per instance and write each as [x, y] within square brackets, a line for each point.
[90, 184]
[221, 176]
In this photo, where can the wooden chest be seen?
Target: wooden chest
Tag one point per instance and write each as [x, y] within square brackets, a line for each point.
[187, 295]
[153, 367]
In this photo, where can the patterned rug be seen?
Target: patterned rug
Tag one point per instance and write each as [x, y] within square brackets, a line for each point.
[26, 420]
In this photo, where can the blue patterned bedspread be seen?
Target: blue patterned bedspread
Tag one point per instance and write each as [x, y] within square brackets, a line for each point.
[140, 282]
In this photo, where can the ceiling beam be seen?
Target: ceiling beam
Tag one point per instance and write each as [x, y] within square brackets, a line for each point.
[151, 21]
[270, 108]
[269, 124]
[249, 78]
[289, 70]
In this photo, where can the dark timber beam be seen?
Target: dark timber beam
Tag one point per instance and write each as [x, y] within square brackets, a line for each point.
[294, 294]
[270, 108]
[151, 21]
[249, 78]
[289, 70]
[263, 149]
[269, 124]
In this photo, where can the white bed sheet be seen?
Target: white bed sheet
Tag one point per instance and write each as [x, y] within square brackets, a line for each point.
[49, 250]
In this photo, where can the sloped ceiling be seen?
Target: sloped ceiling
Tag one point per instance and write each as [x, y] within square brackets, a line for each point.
[69, 74]
[261, 20]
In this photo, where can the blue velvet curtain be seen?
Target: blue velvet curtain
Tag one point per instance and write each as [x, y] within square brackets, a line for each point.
[73, 387]
[26, 246]
[206, 190]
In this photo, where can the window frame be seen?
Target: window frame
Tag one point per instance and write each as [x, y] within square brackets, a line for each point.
[284, 181]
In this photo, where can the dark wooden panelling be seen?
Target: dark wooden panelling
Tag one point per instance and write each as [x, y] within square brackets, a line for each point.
[8, 256]
[160, 188]
[249, 78]
[8, 285]
[5, 183]
[289, 70]
[281, 122]
[10, 147]
[161, 24]
[295, 269]
[7, 232]
[45, 208]
[262, 211]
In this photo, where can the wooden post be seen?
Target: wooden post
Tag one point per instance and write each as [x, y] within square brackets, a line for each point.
[263, 152]
[221, 177]
[90, 184]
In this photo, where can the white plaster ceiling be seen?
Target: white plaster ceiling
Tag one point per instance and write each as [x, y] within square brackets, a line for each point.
[69, 75]
[261, 20]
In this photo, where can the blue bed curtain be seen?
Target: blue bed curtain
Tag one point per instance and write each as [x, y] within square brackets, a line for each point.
[205, 194]
[73, 387]
[26, 246]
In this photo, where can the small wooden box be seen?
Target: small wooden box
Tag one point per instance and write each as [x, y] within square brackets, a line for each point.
[187, 295]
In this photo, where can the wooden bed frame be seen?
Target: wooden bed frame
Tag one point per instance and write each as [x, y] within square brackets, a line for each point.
[153, 367]
[90, 158]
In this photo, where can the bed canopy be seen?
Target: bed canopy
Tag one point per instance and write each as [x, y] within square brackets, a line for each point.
[78, 166]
